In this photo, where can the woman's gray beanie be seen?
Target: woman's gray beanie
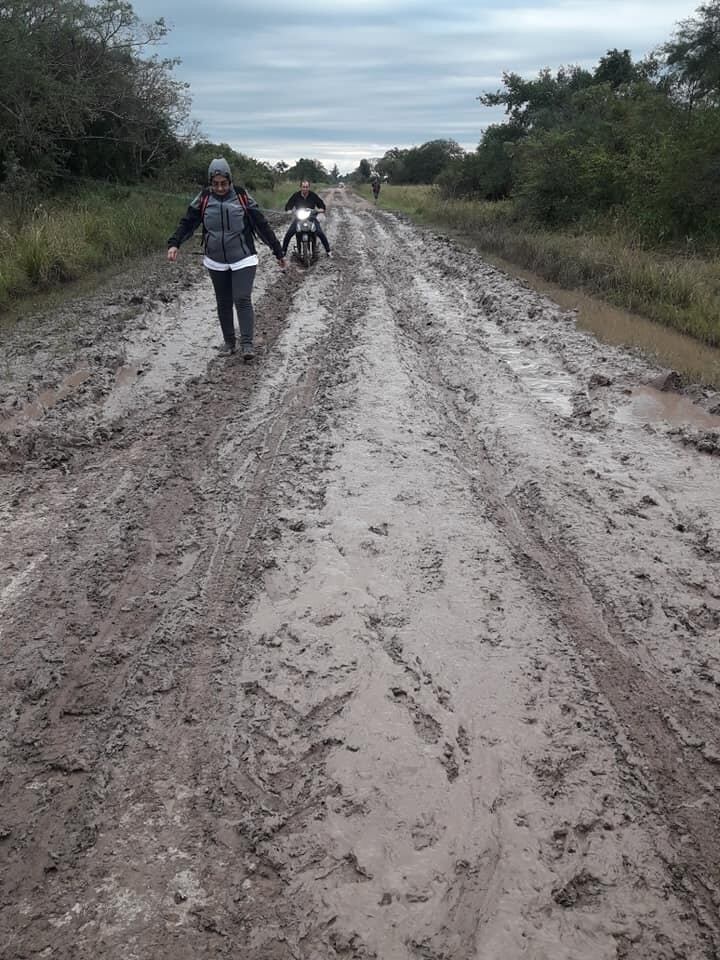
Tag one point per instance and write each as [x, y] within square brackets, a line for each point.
[219, 167]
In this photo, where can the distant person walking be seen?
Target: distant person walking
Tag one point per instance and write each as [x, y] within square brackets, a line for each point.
[376, 188]
[231, 220]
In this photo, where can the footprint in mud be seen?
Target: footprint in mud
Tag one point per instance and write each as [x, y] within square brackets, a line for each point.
[583, 889]
[572, 843]
[431, 566]
[463, 740]
[394, 648]
[426, 726]
[329, 707]
[425, 832]
[347, 870]
[552, 772]
[367, 546]
[380, 529]
[410, 498]
[327, 619]
[429, 730]
[449, 761]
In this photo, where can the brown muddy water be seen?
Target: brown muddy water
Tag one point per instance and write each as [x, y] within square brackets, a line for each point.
[649, 405]
[696, 361]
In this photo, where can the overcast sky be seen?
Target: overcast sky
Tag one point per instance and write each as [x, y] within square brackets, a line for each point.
[339, 80]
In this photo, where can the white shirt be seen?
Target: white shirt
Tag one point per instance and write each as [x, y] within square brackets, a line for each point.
[251, 261]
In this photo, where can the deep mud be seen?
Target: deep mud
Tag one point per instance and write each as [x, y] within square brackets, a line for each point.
[401, 643]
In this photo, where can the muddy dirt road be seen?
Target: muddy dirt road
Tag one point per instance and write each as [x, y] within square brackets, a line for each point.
[402, 643]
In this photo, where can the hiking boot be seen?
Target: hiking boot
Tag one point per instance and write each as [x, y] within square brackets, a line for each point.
[248, 353]
[227, 349]
[329, 254]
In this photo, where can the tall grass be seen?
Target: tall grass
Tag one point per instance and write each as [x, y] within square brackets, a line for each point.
[680, 291]
[56, 241]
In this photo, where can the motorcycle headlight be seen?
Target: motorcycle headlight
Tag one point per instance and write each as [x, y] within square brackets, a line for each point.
[302, 214]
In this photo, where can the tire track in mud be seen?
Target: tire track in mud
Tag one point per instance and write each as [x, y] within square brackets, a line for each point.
[323, 862]
[682, 781]
[169, 650]
[357, 732]
[475, 887]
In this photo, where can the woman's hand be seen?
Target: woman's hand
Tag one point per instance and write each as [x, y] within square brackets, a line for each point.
[172, 254]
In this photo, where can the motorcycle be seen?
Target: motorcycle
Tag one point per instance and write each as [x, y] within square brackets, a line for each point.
[305, 236]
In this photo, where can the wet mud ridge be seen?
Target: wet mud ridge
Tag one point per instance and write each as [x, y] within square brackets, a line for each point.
[401, 643]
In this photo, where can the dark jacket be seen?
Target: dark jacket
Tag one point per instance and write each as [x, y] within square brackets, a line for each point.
[311, 202]
[230, 226]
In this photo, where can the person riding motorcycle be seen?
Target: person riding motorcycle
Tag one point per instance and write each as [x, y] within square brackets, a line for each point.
[305, 199]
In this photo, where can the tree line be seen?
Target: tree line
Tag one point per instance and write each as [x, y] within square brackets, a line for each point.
[635, 143]
[421, 164]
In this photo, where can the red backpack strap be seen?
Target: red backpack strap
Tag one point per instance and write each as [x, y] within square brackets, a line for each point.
[242, 197]
[204, 200]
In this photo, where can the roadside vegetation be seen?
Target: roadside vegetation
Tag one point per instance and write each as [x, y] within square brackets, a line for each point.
[679, 289]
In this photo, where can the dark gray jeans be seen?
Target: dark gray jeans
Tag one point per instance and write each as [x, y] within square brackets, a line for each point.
[235, 287]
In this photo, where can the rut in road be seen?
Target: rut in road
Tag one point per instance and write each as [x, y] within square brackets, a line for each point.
[390, 647]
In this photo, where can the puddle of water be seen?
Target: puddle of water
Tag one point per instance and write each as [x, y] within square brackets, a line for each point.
[126, 375]
[609, 324]
[45, 400]
[648, 405]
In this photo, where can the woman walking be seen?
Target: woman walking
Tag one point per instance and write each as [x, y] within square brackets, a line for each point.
[231, 219]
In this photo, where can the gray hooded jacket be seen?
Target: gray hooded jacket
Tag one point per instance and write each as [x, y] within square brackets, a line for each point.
[230, 222]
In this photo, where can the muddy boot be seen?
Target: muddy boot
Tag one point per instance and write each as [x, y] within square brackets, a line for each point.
[248, 353]
[227, 349]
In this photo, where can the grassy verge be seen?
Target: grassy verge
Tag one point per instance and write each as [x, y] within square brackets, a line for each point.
[58, 241]
[274, 199]
[682, 292]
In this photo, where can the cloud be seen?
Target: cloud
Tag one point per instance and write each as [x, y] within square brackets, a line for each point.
[343, 79]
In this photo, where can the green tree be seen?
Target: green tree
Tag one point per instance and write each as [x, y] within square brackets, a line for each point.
[616, 68]
[390, 166]
[76, 96]
[693, 55]
[311, 170]
[364, 171]
[541, 102]
[424, 163]
[191, 168]
[487, 173]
